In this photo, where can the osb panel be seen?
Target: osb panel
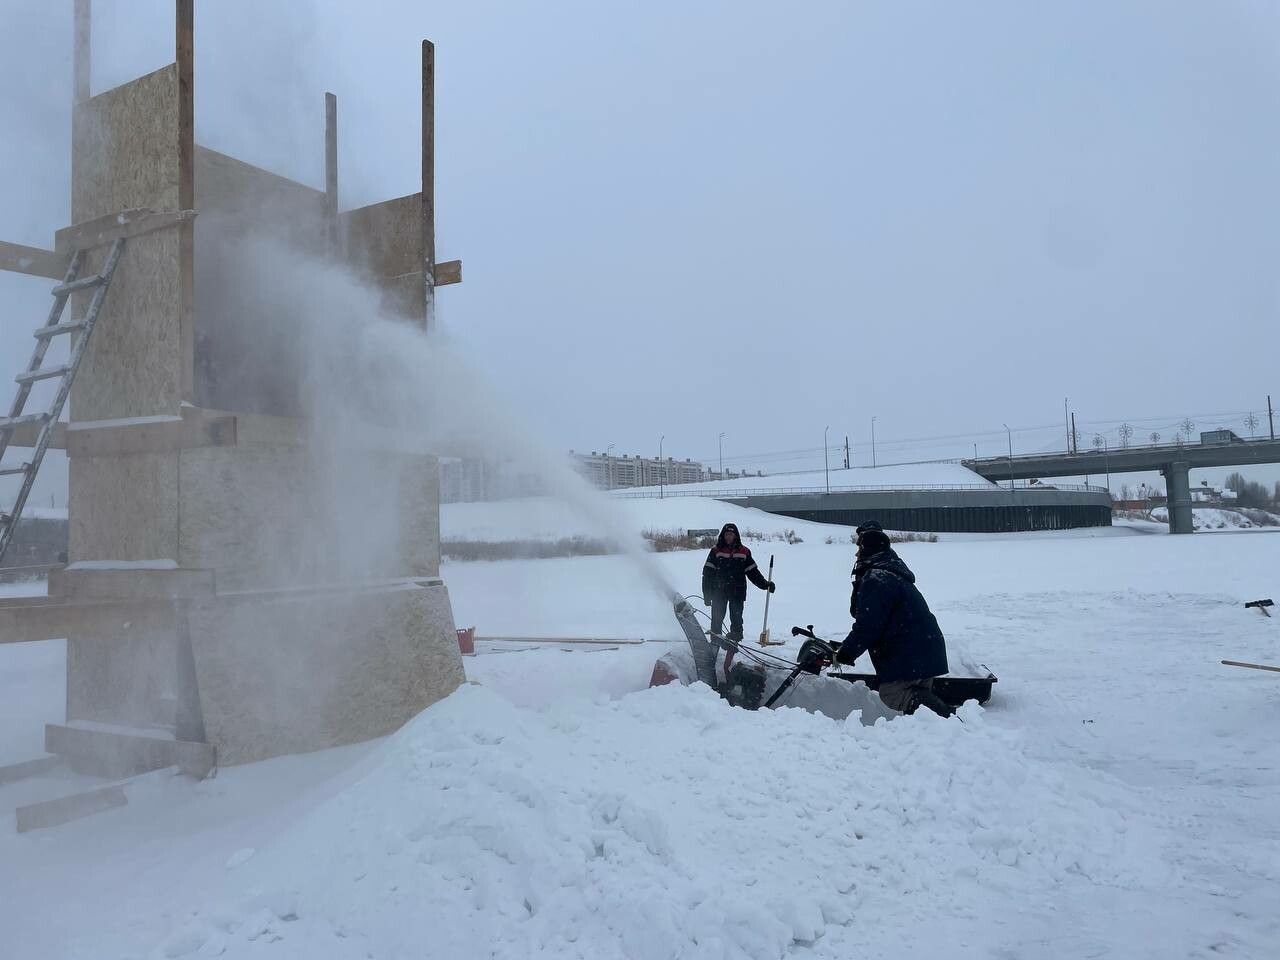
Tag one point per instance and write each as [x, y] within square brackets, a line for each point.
[133, 366]
[124, 508]
[267, 515]
[247, 514]
[124, 674]
[385, 239]
[248, 329]
[125, 155]
[246, 200]
[420, 515]
[293, 674]
[125, 148]
[401, 296]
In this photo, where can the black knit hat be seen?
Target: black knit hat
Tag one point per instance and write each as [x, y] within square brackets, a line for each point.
[871, 538]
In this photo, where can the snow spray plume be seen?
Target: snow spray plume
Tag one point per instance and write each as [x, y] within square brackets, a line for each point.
[369, 378]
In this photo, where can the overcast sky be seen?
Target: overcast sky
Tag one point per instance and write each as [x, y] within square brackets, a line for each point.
[762, 219]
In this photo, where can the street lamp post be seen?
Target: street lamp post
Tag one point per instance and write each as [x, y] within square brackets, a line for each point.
[608, 466]
[722, 456]
[873, 442]
[1010, 434]
[826, 460]
[662, 468]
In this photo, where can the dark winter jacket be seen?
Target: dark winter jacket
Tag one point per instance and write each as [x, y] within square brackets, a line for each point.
[893, 621]
[727, 570]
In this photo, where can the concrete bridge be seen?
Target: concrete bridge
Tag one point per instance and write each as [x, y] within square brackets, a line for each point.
[1173, 461]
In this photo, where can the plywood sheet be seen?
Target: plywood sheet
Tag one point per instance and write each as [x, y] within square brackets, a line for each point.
[125, 156]
[248, 331]
[124, 507]
[385, 239]
[293, 673]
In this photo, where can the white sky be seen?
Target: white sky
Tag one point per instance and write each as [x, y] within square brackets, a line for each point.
[680, 219]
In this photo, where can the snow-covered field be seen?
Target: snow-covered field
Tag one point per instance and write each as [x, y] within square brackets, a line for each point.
[937, 473]
[1117, 797]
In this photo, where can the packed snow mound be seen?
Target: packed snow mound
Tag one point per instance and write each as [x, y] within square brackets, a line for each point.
[939, 473]
[662, 825]
[1209, 518]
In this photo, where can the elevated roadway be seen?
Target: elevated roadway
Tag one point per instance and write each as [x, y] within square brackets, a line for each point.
[1173, 461]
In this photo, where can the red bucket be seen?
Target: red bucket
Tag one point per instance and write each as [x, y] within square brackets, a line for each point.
[467, 641]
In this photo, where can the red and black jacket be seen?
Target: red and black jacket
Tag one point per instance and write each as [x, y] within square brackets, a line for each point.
[727, 570]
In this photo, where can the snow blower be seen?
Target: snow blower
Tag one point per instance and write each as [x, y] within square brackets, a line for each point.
[815, 656]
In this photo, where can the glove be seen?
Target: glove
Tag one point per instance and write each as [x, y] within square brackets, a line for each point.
[772, 586]
[844, 654]
[706, 601]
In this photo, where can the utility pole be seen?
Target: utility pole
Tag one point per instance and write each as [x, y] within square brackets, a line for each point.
[846, 451]
[722, 456]
[873, 442]
[662, 467]
[1075, 437]
[1067, 419]
[826, 461]
[1010, 433]
[1271, 417]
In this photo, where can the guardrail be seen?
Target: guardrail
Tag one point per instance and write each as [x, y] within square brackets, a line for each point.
[1092, 451]
[675, 490]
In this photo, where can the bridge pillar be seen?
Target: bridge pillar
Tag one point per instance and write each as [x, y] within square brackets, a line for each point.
[1178, 483]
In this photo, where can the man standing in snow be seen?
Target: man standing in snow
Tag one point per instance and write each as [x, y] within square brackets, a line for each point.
[892, 620]
[724, 581]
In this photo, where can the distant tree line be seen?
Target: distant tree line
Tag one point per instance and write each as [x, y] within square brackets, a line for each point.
[1252, 494]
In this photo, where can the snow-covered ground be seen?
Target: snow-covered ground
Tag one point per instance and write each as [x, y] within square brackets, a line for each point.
[548, 518]
[1117, 797]
[938, 473]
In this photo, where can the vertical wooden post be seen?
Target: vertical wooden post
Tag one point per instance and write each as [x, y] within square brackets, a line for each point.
[331, 173]
[82, 51]
[428, 184]
[184, 54]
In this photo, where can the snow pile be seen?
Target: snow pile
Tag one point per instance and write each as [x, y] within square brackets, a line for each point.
[597, 831]
[1208, 518]
[937, 473]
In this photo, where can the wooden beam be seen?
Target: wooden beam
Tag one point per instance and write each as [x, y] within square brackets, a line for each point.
[331, 172]
[52, 813]
[33, 261]
[448, 272]
[196, 428]
[116, 226]
[185, 55]
[1251, 666]
[32, 619]
[82, 51]
[106, 753]
[428, 184]
[25, 436]
[13, 772]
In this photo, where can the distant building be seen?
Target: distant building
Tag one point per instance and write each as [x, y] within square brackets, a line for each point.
[610, 472]
[471, 479]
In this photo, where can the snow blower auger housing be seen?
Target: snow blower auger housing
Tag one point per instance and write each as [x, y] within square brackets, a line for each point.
[714, 659]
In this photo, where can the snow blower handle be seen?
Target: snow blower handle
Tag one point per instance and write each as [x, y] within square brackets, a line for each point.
[764, 630]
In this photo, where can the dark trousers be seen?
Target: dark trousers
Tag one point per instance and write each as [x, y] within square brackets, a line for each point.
[718, 607]
[907, 696]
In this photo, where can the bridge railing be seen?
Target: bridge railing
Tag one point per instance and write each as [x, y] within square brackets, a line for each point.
[1093, 451]
[675, 490]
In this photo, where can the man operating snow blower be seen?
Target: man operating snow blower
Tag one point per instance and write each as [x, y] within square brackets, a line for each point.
[893, 622]
[724, 581]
